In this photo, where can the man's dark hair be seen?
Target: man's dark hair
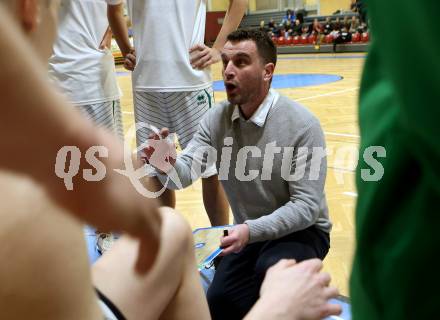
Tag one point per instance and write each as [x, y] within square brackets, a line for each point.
[265, 46]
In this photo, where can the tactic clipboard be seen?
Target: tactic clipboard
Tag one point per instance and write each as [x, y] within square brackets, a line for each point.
[207, 244]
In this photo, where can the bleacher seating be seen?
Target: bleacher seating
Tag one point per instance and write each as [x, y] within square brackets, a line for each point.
[298, 44]
[253, 20]
[294, 44]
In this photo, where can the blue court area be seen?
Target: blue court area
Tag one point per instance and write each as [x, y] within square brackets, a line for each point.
[346, 309]
[294, 80]
[90, 237]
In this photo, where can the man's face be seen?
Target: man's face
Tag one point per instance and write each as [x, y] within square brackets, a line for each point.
[243, 72]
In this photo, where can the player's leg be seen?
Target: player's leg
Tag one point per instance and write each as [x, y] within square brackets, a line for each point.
[148, 110]
[44, 273]
[170, 290]
[187, 110]
[118, 126]
[105, 114]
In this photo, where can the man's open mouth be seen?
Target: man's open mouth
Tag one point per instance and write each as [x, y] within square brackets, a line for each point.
[230, 87]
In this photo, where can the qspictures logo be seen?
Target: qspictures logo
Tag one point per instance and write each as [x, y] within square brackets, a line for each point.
[292, 164]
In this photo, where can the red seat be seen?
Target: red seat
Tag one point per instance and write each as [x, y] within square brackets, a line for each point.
[328, 38]
[289, 40]
[356, 37]
[274, 40]
[296, 40]
[303, 39]
[312, 39]
[281, 41]
[365, 37]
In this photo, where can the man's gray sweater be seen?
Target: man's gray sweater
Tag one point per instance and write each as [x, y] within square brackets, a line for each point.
[273, 175]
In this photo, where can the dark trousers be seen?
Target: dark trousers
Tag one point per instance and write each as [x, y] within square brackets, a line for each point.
[344, 38]
[238, 277]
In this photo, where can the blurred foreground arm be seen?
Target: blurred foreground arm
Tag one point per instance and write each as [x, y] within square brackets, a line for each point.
[37, 122]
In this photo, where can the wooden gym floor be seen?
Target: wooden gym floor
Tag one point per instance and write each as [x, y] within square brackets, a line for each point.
[335, 104]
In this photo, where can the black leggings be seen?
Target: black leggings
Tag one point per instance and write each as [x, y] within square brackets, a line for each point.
[238, 277]
[341, 39]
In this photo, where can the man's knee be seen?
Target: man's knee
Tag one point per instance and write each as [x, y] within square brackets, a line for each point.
[296, 251]
[263, 264]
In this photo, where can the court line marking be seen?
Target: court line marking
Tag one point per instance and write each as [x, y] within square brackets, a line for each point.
[341, 134]
[350, 194]
[341, 169]
[327, 94]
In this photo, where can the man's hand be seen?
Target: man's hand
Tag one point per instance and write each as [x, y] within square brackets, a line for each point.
[161, 151]
[237, 239]
[203, 56]
[130, 60]
[299, 291]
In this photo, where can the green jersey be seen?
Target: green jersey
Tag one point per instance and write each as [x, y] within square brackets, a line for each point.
[398, 211]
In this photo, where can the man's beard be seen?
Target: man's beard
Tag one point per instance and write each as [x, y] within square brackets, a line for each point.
[234, 99]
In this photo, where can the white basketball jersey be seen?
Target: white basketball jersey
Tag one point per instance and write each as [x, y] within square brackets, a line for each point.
[83, 71]
[164, 31]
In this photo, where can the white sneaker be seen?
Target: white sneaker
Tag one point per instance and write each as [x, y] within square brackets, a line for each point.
[104, 241]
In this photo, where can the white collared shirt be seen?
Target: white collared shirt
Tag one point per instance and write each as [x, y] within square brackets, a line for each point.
[260, 115]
